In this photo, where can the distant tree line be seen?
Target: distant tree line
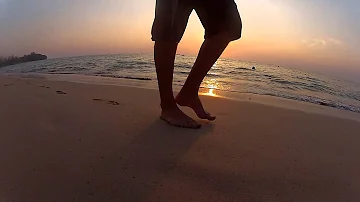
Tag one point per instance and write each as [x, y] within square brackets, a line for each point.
[12, 60]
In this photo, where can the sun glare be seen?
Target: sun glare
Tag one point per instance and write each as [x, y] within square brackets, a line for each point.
[211, 93]
[209, 88]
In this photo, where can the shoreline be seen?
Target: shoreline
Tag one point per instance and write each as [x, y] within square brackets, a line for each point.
[237, 96]
[228, 76]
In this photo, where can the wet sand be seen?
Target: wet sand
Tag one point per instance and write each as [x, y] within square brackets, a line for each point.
[64, 141]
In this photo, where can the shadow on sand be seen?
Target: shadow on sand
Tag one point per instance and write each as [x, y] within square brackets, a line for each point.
[139, 168]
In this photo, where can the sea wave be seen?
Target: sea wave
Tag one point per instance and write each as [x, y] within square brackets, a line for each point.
[227, 75]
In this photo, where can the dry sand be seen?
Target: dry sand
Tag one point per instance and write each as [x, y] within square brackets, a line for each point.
[63, 141]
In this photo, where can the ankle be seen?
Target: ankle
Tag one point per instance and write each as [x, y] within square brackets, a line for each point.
[185, 93]
[168, 106]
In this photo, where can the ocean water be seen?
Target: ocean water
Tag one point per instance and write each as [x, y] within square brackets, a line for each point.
[226, 75]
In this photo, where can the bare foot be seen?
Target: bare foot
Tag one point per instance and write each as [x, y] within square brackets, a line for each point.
[176, 117]
[196, 105]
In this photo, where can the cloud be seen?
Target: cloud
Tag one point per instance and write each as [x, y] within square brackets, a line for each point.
[319, 43]
[315, 43]
[335, 41]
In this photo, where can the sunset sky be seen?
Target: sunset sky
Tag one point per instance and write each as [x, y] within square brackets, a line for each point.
[320, 35]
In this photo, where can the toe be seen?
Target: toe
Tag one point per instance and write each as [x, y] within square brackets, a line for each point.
[206, 115]
[210, 117]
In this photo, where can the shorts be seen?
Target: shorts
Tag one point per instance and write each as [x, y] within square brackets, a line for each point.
[216, 16]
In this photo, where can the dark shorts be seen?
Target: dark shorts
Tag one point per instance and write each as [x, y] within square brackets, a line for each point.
[216, 16]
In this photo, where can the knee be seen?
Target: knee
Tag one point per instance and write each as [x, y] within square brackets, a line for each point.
[235, 31]
[234, 34]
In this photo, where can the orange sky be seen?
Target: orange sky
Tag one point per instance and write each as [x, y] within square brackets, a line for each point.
[283, 32]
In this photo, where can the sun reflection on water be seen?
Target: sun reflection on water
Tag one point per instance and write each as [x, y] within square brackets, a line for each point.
[211, 93]
[209, 88]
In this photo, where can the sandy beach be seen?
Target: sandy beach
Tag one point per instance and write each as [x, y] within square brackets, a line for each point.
[66, 141]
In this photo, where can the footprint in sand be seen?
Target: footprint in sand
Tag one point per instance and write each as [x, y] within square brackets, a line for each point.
[61, 92]
[44, 87]
[10, 84]
[110, 102]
